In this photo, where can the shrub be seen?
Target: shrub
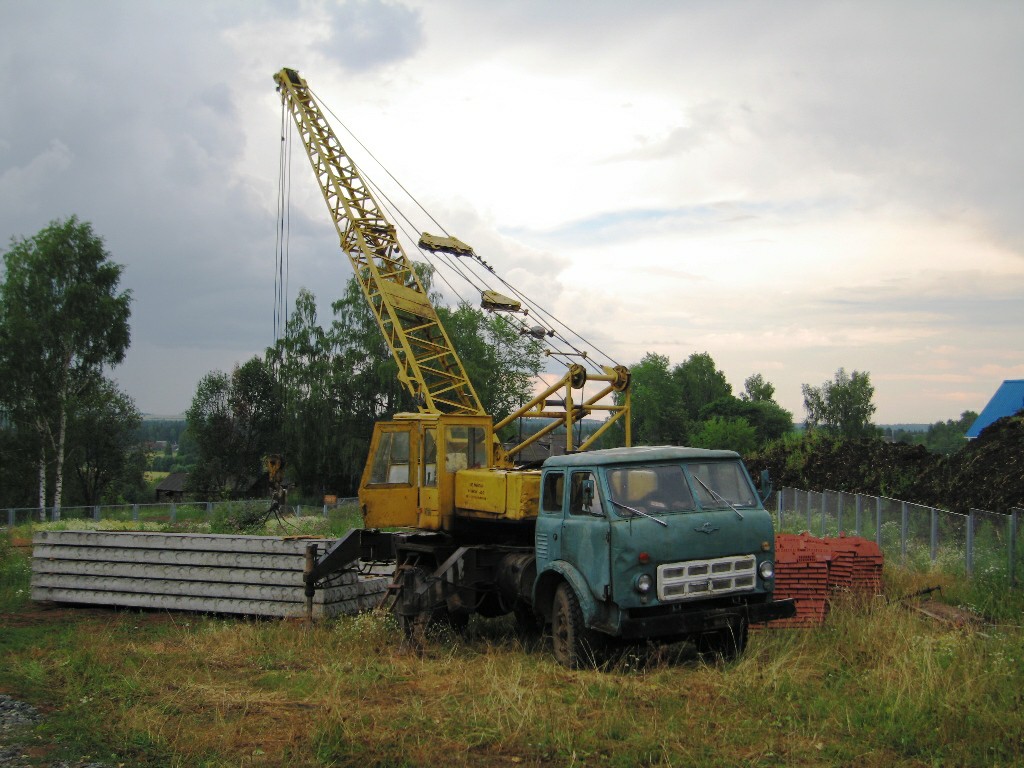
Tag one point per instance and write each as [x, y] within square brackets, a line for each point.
[239, 517]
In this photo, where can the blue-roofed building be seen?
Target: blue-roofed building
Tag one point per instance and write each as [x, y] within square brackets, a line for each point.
[1008, 400]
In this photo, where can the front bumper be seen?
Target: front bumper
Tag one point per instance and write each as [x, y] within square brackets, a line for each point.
[697, 621]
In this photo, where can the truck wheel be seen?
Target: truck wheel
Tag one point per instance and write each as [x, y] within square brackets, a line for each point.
[726, 644]
[574, 645]
[416, 613]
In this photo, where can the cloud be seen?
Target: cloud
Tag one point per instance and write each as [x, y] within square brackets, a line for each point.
[366, 34]
[792, 187]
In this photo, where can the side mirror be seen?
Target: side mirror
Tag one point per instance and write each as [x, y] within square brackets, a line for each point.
[766, 486]
[588, 493]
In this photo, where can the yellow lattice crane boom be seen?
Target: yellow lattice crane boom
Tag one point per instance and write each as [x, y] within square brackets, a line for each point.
[427, 362]
[431, 469]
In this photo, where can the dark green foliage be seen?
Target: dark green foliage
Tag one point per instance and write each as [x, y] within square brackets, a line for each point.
[734, 434]
[500, 362]
[841, 407]
[235, 421]
[62, 319]
[321, 390]
[103, 453]
[239, 517]
[693, 404]
[945, 437]
[699, 383]
[987, 473]
[869, 466]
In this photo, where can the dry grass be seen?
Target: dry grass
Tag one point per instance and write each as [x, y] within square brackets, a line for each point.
[879, 685]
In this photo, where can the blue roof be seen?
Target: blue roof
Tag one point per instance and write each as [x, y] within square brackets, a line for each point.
[1007, 401]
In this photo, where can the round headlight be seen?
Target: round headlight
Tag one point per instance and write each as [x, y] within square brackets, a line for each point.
[643, 583]
[766, 569]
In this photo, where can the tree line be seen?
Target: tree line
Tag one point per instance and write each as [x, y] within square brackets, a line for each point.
[313, 396]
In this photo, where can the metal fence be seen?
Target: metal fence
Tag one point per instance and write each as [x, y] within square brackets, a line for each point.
[165, 512]
[980, 543]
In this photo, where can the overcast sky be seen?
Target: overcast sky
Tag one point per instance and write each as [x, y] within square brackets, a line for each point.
[792, 187]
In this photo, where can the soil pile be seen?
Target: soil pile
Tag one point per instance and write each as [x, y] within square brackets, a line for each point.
[987, 473]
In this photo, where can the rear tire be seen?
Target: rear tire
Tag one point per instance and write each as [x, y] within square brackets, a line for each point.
[573, 644]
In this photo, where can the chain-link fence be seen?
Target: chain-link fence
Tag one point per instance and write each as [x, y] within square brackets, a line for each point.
[982, 542]
[166, 512]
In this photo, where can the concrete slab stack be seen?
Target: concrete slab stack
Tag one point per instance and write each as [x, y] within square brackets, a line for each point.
[210, 573]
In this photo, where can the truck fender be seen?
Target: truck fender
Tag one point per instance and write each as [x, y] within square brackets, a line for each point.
[548, 581]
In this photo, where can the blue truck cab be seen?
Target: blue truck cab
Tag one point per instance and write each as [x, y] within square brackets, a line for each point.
[656, 543]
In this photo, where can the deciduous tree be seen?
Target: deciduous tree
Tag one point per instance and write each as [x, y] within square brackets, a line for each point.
[103, 447]
[841, 407]
[234, 421]
[62, 319]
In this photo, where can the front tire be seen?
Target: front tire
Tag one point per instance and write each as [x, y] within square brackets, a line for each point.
[573, 644]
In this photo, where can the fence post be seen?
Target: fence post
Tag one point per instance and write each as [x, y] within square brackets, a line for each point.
[970, 543]
[904, 525]
[1013, 548]
[935, 534]
[10, 518]
[209, 511]
[878, 521]
[174, 512]
[839, 514]
[135, 512]
[96, 512]
[778, 507]
[858, 511]
[808, 511]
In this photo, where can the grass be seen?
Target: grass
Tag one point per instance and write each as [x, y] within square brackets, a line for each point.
[878, 685]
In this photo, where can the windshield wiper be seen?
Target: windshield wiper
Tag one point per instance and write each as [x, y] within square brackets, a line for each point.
[640, 512]
[718, 497]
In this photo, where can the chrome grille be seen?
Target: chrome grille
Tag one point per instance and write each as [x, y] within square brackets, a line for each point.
[706, 578]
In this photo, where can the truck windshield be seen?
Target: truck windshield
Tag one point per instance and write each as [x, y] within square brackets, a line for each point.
[652, 489]
[721, 482]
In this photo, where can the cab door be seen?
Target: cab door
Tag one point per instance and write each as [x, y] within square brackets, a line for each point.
[547, 542]
[586, 533]
[389, 492]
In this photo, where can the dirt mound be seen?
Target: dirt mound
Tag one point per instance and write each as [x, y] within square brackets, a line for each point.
[987, 473]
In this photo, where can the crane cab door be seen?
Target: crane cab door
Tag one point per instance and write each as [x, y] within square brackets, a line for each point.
[409, 480]
[389, 492]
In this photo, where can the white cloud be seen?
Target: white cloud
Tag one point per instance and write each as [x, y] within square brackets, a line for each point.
[791, 187]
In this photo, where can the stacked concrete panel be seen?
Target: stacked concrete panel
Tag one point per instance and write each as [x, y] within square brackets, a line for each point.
[810, 570]
[210, 573]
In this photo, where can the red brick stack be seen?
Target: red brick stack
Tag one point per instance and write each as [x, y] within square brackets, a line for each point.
[809, 569]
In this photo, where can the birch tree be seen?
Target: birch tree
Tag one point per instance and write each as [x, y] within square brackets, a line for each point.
[62, 319]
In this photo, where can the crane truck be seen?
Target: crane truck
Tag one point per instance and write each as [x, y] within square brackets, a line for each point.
[633, 543]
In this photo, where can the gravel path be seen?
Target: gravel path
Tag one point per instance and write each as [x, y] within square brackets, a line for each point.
[16, 721]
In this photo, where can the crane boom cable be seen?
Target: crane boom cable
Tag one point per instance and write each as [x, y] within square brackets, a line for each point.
[378, 162]
[536, 308]
[429, 365]
[282, 230]
[397, 214]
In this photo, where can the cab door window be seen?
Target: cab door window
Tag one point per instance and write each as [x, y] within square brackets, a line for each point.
[391, 460]
[466, 448]
[552, 493]
[583, 496]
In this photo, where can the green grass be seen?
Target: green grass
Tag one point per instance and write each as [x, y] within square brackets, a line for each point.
[878, 685]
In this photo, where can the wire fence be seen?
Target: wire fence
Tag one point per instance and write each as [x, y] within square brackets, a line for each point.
[980, 543]
[163, 512]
